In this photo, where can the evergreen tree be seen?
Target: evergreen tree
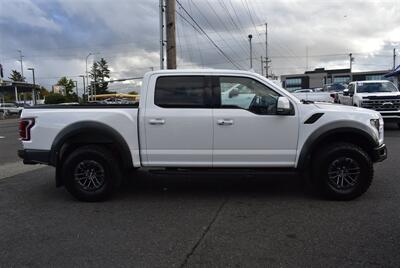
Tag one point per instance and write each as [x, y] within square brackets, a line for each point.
[68, 84]
[98, 73]
[16, 76]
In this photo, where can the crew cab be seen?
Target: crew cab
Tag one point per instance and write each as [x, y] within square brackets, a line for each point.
[190, 121]
[378, 95]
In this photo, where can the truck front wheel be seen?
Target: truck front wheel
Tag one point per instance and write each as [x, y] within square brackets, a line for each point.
[342, 171]
[91, 173]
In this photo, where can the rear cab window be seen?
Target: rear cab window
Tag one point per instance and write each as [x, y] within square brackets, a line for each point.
[183, 92]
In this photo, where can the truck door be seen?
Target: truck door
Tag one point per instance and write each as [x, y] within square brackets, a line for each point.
[178, 122]
[348, 99]
[251, 134]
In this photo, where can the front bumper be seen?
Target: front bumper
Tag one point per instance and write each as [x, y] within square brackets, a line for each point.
[379, 153]
[32, 157]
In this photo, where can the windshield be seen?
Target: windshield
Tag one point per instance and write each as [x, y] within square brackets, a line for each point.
[337, 87]
[376, 87]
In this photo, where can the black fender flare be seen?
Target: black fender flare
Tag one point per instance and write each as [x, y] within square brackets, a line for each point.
[334, 128]
[108, 135]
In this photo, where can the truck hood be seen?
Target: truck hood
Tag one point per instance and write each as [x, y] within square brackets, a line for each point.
[331, 107]
[378, 94]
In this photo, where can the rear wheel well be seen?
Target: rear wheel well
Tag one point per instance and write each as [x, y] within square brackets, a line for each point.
[90, 138]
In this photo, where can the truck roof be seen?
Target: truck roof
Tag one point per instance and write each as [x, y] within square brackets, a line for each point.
[214, 71]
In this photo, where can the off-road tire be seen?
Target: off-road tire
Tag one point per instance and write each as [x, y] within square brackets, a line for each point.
[91, 159]
[334, 156]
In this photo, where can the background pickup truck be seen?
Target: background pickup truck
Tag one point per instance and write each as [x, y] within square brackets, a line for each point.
[194, 120]
[378, 95]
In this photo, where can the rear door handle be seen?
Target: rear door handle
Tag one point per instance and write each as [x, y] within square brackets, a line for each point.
[157, 121]
[225, 122]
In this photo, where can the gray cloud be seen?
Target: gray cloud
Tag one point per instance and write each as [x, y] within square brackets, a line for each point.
[56, 36]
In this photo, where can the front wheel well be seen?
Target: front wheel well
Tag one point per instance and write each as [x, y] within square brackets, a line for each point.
[363, 141]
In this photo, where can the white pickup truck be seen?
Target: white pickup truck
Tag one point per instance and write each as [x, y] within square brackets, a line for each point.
[185, 122]
[378, 95]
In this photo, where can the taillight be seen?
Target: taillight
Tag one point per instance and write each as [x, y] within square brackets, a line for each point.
[25, 125]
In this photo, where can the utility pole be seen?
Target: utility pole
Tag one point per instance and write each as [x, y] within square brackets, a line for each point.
[76, 88]
[171, 34]
[161, 10]
[267, 60]
[262, 66]
[351, 61]
[94, 87]
[87, 74]
[306, 58]
[20, 59]
[394, 58]
[84, 87]
[251, 51]
[34, 86]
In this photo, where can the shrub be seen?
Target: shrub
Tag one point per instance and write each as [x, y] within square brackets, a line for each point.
[54, 98]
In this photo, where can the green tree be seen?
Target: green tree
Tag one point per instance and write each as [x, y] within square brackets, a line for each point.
[16, 76]
[43, 91]
[99, 73]
[68, 84]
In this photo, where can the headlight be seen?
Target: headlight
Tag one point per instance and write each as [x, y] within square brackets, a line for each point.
[375, 123]
[378, 125]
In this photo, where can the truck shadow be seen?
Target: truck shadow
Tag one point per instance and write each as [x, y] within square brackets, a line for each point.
[143, 182]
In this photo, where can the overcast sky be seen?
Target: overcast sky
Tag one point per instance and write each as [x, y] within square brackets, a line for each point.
[55, 36]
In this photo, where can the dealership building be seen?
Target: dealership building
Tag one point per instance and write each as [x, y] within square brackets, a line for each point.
[321, 76]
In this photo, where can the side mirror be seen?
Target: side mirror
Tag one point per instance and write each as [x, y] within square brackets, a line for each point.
[283, 106]
[233, 93]
[346, 92]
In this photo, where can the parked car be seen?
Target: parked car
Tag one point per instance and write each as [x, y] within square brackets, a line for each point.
[10, 108]
[185, 122]
[379, 95]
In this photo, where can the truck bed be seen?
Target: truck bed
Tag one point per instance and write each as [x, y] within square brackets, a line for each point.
[53, 120]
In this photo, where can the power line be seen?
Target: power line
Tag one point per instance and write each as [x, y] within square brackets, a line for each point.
[215, 31]
[208, 37]
[224, 25]
[197, 39]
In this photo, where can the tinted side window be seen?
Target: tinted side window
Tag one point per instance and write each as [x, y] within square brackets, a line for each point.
[182, 92]
[248, 94]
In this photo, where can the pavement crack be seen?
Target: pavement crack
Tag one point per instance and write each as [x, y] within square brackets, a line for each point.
[203, 235]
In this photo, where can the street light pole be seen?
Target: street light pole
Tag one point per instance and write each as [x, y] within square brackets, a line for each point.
[251, 51]
[84, 87]
[34, 86]
[22, 67]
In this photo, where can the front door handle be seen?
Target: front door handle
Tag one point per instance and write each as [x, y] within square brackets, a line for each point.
[225, 122]
[157, 121]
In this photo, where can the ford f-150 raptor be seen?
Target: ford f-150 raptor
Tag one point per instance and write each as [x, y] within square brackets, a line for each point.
[194, 120]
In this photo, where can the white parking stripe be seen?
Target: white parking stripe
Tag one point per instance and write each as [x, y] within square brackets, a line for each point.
[2, 137]
[15, 168]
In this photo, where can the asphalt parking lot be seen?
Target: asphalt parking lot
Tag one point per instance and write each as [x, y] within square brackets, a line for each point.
[194, 221]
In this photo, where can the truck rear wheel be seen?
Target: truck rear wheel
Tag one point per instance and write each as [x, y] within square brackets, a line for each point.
[342, 171]
[91, 173]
